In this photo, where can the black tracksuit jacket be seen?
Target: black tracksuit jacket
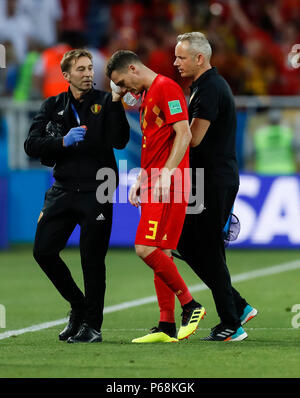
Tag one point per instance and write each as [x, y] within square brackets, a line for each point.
[75, 167]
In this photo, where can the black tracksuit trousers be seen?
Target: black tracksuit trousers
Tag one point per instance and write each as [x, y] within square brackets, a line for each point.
[202, 247]
[62, 211]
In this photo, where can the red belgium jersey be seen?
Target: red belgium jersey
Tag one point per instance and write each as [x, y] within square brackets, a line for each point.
[163, 105]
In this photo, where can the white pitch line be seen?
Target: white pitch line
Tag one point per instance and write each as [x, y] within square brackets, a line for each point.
[244, 276]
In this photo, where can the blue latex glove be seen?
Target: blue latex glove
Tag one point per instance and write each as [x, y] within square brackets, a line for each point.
[76, 134]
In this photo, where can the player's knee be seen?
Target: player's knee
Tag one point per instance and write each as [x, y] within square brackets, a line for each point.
[140, 250]
[143, 251]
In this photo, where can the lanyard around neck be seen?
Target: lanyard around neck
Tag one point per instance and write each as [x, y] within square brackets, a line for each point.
[75, 114]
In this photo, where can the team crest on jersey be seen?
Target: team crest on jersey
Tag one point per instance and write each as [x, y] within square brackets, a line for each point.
[96, 108]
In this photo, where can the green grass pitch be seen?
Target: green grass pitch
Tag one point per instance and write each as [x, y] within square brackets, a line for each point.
[271, 350]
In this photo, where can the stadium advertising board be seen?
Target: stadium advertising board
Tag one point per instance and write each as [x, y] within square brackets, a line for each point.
[269, 211]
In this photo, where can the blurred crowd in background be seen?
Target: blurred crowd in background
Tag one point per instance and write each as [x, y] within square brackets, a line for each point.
[251, 40]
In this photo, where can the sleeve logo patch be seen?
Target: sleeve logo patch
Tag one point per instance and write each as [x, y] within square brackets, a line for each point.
[174, 107]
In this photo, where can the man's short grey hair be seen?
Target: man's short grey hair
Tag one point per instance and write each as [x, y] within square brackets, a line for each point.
[198, 43]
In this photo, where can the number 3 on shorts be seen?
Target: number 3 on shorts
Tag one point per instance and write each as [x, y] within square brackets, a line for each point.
[153, 229]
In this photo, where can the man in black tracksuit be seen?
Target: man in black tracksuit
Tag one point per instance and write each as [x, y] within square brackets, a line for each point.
[76, 132]
[213, 125]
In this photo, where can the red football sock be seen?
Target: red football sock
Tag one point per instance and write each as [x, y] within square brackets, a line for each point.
[164, 267]
[166, 300]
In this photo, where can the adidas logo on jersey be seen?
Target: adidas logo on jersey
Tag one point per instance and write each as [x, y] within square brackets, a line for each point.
[100, 217]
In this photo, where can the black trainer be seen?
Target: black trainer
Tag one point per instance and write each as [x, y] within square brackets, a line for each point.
[73, 326]
[223, 333]
[86, 334]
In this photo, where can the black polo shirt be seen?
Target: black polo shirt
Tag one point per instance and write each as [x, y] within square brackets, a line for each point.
[211, 99]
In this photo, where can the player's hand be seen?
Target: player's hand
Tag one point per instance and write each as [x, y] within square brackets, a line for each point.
[134, 194]
[116, 92]
[162, 186]
[116, 97]
[76, 134]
